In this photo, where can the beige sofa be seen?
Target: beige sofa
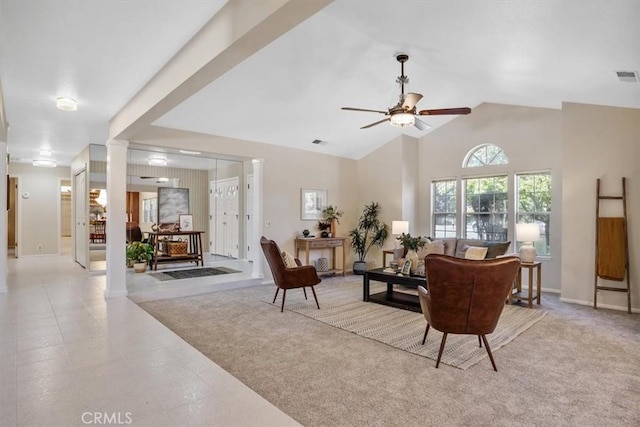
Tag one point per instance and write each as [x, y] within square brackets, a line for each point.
[458, 247]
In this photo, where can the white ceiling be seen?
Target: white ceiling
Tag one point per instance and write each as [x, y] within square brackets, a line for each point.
[462, 53]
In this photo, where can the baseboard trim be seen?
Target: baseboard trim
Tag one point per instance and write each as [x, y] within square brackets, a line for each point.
[590, 303]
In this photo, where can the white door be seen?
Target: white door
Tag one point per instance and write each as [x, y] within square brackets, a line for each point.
[81, 238]
[224, 221]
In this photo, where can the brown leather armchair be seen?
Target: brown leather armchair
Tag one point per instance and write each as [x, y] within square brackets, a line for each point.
[288, 278]
[466, 296]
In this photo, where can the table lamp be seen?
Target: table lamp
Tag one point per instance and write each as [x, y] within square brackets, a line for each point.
[527, 233]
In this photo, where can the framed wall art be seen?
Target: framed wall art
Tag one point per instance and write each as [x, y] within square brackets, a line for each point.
[171, 203]
[312, 202]
[186, 222]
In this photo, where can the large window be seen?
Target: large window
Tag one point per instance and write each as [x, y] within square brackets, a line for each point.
[486, 207]
[534, 205]
[444, 208]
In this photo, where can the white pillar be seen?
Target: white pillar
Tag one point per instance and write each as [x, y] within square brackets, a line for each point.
[116, 218]
[257, 217]
[4, 171]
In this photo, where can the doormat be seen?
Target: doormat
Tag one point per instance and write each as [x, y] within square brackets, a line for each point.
[192, 273]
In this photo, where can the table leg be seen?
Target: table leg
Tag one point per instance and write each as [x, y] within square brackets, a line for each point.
[365, 288]
[530, 288]
[344, 259]
[389, 290]
[539, 284]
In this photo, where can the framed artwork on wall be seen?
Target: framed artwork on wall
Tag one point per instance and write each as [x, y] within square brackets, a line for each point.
[186, 222]
[171, 203]
[312, 202]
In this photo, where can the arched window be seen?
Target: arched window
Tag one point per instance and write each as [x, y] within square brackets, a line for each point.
[485, 155]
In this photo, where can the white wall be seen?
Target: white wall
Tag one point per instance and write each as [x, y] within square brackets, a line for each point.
[599, 142]
[39, 220]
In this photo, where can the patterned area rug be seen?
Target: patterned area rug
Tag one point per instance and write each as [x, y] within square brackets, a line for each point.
[404, 329]
[192, 272]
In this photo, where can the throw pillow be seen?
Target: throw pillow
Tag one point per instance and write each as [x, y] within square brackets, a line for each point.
[289, 260]
[476, 252]
[434, 247]
[495, 249]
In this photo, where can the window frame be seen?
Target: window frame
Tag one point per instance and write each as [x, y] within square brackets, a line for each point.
[435, 234]
[465, 213]
[543, 249]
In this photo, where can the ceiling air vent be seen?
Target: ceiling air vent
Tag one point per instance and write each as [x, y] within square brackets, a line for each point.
[318, 142]
[628, 76]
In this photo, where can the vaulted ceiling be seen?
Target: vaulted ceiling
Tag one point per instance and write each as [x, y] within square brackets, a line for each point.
[462, 53]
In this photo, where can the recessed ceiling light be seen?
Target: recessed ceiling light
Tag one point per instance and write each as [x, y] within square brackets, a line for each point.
[46, 153]
[44, 163]
[190, 152]
[66, 104]
[157, 161]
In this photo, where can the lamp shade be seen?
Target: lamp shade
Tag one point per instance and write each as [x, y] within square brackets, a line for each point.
[399, 227]
[527, 232]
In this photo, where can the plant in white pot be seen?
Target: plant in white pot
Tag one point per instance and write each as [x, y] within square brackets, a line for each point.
[412, 245]
[369, 232]
[139, 254]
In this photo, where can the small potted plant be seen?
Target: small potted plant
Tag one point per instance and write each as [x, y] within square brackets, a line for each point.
[369, 232]
[411, 244]
[138, 255]
[332, 215]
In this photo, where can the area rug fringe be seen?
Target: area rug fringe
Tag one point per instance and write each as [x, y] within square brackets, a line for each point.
[341, 307]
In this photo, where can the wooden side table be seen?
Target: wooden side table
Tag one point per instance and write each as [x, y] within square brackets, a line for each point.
[331, 243]
[529, 295]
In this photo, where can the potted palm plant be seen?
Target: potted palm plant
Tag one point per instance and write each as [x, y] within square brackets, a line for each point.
[138, 255]
[369, 232]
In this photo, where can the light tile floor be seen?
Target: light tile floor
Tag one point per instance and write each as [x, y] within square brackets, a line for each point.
[69, 357]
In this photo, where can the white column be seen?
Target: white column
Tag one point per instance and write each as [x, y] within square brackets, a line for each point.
[116, 218]
[4, 170]
[257, 218]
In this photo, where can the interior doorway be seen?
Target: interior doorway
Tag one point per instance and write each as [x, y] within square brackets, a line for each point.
[65, 217]
[81, 236]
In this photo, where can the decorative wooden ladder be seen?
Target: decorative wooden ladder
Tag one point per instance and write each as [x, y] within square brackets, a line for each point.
[612, 254]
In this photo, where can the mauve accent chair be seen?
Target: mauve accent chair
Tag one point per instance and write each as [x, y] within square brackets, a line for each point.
[288, 278]
[466, 296]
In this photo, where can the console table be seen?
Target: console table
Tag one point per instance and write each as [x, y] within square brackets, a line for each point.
[194, 247]
[391, 297]
[309, 244]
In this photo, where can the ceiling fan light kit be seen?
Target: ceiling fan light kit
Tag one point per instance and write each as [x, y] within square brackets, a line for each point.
[403, 114]
[402, 120]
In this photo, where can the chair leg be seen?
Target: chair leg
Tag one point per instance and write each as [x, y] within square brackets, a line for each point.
[486, 345]
[479, 341]
[315, 297]
[444, 339]
[284, 295]
[426, 331]
[275, 296]
[304, 289]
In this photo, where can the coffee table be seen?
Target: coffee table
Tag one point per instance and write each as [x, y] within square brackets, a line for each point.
[391, 297]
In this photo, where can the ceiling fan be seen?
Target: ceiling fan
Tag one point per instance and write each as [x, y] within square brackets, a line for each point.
[404, 113]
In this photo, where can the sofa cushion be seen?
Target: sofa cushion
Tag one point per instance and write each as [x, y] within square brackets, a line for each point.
[450, 246]
[431, 247]
[496, 249]
[475, 252]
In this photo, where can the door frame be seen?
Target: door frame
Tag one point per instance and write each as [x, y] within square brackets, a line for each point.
[18, 221]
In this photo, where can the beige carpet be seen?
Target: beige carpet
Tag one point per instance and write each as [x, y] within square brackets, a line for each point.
[576, 367]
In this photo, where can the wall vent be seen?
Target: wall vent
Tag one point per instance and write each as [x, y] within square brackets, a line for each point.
[628, 76]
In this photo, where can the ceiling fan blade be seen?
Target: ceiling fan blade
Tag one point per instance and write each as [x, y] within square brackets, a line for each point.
[411, 100]
[445, 111]
[421, 125]
[363, 109]
[375, 123]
